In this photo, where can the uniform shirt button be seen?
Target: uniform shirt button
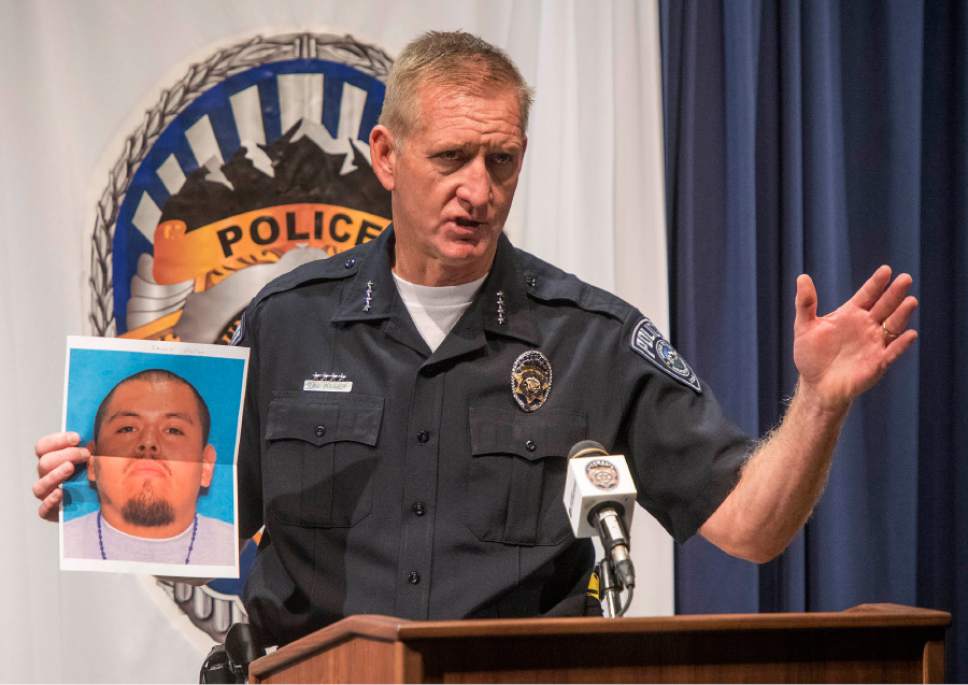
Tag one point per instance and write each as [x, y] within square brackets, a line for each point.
[350, 262]
[320, 431]
[423, 436]
[530, 445]
[531, 281]
[418, 508]
[413, 577]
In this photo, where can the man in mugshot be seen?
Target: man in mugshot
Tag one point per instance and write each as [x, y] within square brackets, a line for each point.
[151, 460]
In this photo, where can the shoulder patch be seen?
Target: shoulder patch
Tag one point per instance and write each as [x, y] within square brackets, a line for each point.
[237, 335]
[649, 343]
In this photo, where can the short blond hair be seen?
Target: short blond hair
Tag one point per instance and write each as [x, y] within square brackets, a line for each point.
[458, 59]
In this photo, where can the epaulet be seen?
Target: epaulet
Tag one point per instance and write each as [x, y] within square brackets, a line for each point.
[548, 283]
[333, 268]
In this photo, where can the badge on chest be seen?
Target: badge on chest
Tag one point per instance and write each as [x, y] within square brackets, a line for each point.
[531, 380]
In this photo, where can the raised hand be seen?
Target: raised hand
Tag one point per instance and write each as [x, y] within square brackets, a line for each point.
[844, 353]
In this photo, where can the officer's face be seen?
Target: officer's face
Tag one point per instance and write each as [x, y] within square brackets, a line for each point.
[151, 460]
[452, 182]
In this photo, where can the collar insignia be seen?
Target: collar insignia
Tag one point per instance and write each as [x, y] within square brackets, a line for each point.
[531, 380]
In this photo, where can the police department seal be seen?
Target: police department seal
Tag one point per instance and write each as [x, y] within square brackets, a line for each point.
[602, 474]
[254, 163]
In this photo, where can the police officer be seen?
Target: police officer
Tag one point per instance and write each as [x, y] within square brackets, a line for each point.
[410, 401]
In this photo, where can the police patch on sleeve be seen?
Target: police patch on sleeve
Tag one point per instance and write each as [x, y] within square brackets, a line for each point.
[648, 342]
[237, 335]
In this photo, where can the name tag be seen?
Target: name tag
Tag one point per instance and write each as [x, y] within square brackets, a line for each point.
[327, 386]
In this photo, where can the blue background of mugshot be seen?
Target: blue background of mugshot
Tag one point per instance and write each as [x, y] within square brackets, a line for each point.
[219, 381]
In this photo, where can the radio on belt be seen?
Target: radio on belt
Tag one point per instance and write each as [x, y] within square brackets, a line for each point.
[595, 480]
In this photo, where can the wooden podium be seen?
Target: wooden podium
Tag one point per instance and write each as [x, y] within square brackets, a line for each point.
[869, 643]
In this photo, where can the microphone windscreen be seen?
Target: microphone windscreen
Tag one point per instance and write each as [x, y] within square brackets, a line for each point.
[587, 448]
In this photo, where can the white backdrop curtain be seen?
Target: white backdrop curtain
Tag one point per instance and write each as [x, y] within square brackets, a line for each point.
[77, 78]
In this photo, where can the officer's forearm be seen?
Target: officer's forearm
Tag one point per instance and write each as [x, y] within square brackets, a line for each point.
[780, 484]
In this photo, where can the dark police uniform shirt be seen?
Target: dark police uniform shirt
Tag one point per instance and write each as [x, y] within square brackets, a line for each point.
[425, 491]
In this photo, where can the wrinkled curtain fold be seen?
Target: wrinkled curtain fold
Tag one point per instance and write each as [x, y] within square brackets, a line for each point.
[829, 138]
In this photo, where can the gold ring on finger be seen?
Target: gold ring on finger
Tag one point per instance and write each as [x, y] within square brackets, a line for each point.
[889, 335]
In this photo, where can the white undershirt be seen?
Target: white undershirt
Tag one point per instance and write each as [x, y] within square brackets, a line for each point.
[435, 309]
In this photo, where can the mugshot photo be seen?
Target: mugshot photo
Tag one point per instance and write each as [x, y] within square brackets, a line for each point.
[161, 423]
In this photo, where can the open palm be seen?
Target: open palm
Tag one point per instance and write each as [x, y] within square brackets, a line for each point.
[844, 353]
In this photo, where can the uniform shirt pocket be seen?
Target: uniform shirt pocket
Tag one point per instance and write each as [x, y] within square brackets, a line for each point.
[516, 475]
[320, 459]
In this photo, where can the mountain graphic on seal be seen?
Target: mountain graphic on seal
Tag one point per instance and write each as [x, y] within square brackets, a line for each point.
[304, 165]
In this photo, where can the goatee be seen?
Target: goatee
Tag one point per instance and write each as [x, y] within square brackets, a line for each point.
[145, 510]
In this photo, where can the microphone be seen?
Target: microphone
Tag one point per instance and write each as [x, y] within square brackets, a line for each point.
[600, 500]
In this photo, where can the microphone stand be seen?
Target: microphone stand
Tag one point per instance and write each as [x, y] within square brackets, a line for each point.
[611, 590]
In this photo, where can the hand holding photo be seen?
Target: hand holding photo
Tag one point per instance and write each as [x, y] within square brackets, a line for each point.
[161, 421]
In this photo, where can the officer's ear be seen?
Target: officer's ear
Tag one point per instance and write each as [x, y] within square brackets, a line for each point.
[208, 465]
[383, 155]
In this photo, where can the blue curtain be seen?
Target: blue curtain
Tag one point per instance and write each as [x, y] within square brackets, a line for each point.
[827, 137]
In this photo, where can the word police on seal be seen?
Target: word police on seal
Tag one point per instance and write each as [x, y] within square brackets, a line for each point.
[602, 474]
[649, 343]
[531, 380]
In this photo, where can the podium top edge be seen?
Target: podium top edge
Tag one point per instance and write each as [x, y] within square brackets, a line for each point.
[390, 629]
[862, 616]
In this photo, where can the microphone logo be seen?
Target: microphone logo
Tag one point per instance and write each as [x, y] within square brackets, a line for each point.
[602, 474]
